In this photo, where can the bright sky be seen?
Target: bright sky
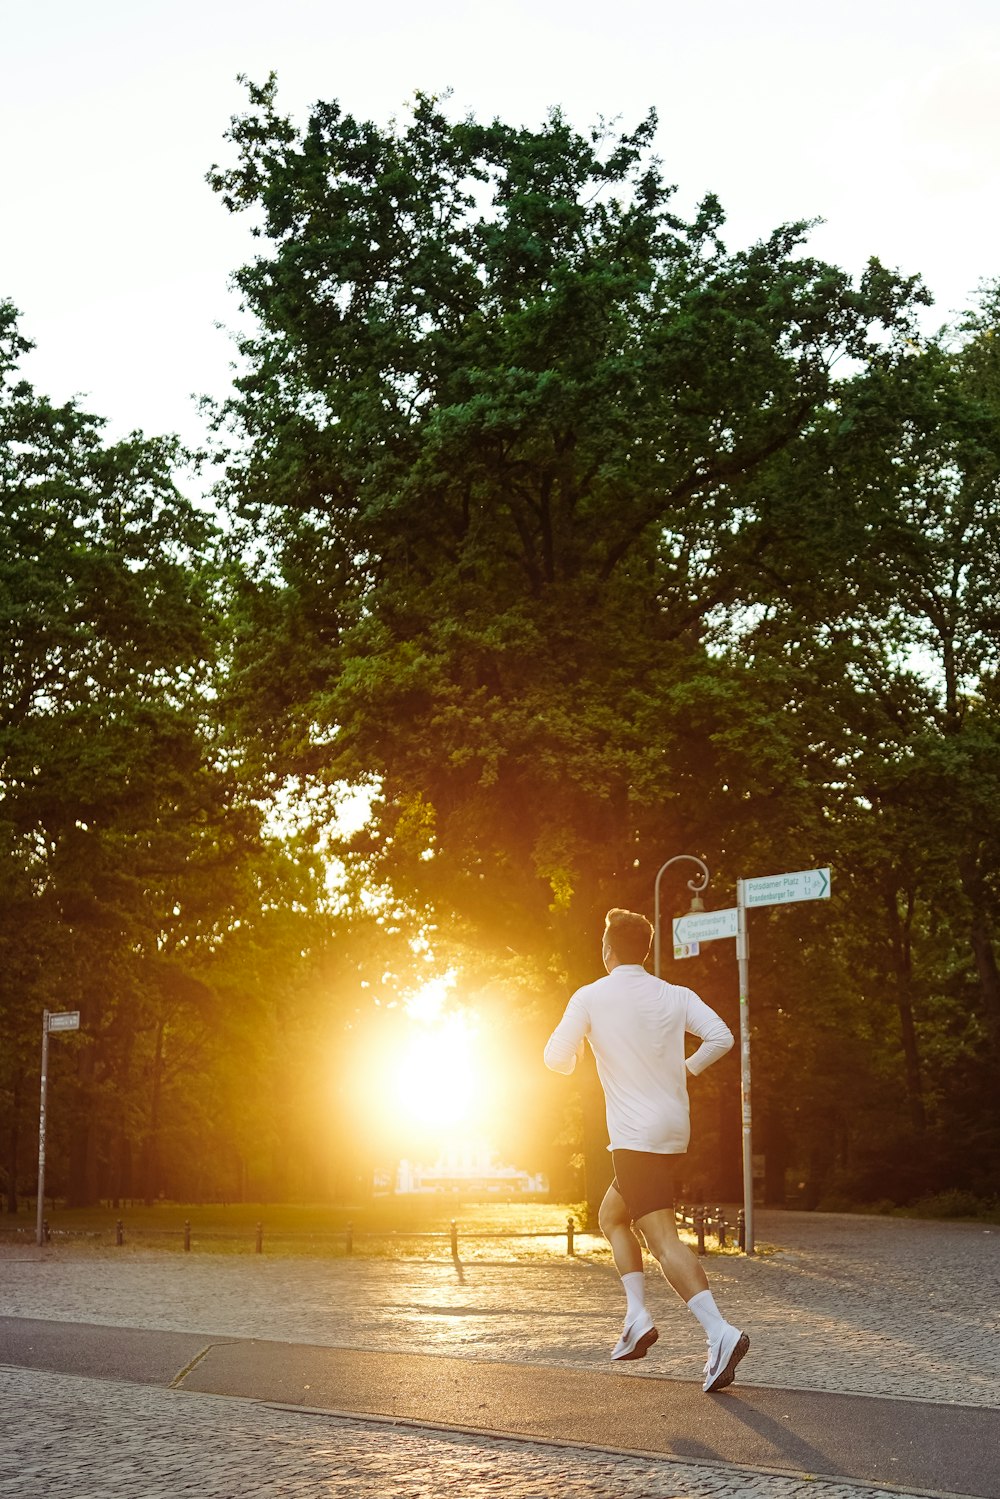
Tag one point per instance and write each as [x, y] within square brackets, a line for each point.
[881, 116]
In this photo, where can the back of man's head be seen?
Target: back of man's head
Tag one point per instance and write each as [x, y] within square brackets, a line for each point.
[628, 935]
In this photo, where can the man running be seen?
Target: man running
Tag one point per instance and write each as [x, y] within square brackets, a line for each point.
[636, 1026]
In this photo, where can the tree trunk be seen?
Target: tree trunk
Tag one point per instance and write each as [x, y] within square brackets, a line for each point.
[819, 1162]
[13, 1138]
[82, 1186]
[82, 1189]
[981, 943]
[902, 967]
[121, 1185]
[151, 1146]
[775, 1138]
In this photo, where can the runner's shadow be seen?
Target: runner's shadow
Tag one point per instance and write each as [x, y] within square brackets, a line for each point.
[787, 1446]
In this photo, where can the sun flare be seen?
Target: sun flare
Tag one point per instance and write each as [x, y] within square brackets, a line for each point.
[435, 1076]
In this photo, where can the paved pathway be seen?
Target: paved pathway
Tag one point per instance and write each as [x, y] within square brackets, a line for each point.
[67, 1438]
[850, 1305]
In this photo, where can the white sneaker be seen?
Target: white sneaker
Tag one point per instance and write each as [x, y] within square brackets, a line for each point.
[723, 1356]
[638, 1336]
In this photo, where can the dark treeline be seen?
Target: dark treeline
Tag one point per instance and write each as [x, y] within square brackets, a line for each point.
[578, 540]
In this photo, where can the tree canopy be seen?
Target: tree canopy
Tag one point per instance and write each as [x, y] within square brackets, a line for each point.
[132, 852]
[585, 539]
[571, 538]
[522, 444]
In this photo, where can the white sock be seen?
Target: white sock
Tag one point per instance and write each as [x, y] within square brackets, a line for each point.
[635, 1293]
[704, 1308]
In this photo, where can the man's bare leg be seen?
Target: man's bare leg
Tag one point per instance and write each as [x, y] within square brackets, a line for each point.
[638, 1333]
[678, 1263]
[726, 1343]
[616, 1226]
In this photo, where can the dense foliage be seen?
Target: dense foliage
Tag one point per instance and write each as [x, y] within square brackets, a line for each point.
[593, 541]
[577, 540]
[134, 866]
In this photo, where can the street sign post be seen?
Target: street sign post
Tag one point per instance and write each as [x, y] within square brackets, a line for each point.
[743, 969]
[62, 1020]
[768, 890]
[709, 926]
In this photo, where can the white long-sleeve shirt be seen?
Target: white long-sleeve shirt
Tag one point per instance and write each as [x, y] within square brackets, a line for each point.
[636, 1024]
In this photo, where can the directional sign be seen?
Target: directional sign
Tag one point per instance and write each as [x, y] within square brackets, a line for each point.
[704, 926]
[66, 1020]
[777, 889]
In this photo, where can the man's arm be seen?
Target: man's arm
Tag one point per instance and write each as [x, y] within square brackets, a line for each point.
[565, 1044]
[716, 1037]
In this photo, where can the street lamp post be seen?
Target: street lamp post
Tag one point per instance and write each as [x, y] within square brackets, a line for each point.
[694, 886]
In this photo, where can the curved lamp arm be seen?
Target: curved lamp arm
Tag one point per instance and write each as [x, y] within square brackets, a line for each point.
[696, 886]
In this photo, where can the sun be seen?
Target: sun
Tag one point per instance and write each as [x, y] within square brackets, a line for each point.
[435, 1076]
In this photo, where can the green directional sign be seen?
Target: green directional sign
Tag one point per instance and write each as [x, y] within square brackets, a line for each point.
[779, 889]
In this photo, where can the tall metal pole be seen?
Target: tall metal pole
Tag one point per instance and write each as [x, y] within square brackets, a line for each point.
[743, 963]
[692, 885]
[39, 1216]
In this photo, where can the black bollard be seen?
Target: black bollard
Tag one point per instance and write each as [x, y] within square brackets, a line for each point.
[720, 1221]
[741, 1230]
[454, 1240]
[699, 1228]
[187, 1236]
[570, 1227]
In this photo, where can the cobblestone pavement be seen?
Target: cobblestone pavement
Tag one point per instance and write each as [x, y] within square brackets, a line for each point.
[869, 1306]
[68, 1438]
[856, 1305]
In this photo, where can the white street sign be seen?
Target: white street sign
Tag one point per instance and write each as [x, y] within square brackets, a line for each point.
[66, 1020]
[704, 926]
[777, 889]
[686, 950]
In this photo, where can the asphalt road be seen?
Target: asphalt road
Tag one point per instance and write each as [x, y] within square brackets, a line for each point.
[909, 1445]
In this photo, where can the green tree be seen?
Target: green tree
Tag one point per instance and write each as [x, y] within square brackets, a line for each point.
[893, 670]
[518, 449]
[126, 837]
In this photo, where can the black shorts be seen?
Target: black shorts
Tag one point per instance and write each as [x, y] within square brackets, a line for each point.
[644, 1180]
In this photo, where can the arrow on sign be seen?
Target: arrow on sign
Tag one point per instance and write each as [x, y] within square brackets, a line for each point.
[778, 889]
[704, 926]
